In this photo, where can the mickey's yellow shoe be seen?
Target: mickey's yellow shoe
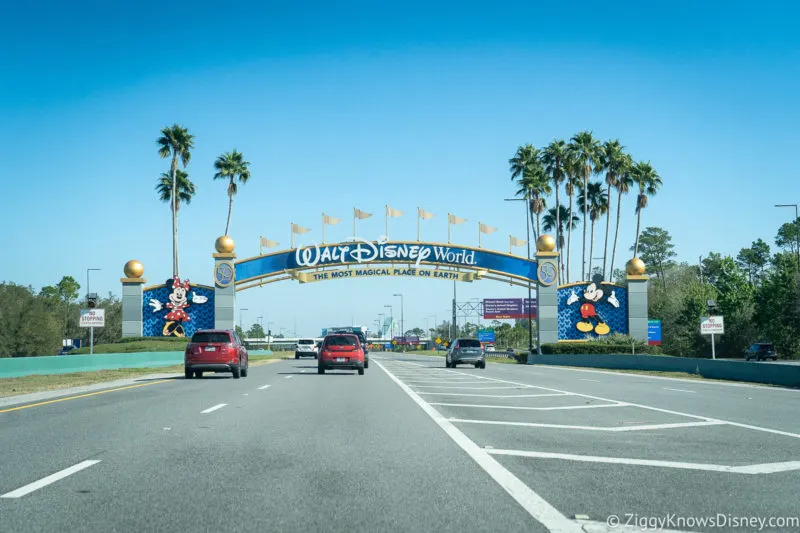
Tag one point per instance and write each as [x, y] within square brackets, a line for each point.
[585, 327]
[602, 329]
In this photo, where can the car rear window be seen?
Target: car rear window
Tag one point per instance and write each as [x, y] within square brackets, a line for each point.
[469, 343]
[305, 341]
[765, 347]
[342, 340]
[211, 337]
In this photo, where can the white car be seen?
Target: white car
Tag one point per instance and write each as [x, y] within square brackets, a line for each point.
[306, 348]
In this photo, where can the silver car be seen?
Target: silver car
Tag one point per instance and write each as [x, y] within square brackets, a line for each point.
[465, 351]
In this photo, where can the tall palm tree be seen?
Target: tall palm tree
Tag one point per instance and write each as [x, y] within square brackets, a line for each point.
[598, 206]
[558, 218]
[533, 187]
[231, 166]
[649, 182]
[571, 167]
[185, 189]
[554, 159]
[523, 164]
[175, 141]
[588, 151]
[614, 162]
[624, 183]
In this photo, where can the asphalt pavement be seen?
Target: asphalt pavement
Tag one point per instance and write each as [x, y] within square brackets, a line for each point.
[410, 446]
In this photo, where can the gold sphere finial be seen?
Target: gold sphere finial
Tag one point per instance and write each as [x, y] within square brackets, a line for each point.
[224, 245]
[133, 269]
[635, 267]
[546, 243]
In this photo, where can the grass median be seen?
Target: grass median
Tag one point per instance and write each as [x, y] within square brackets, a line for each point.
[52, 382]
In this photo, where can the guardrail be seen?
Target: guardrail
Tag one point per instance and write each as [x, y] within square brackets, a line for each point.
[765, 373]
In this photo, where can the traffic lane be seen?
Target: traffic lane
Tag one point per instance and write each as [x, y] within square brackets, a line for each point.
[45, 439]
[767, 407]
[705, 445]
[333, 452]
[602, 490]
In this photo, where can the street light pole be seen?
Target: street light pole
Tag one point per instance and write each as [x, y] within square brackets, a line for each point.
[391, 316]
[530, 296]
[241, 324]
[796, 224]
[402, 324]
[91, 328]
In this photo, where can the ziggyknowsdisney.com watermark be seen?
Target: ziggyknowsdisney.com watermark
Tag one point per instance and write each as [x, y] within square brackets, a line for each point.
[719, 520]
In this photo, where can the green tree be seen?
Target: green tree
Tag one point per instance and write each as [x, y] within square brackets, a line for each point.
[68, 292]
[28, 325]
[754, 260]
[657, 250]
[615, 162]
[598, 206]
[711, 268]
[554, 159]
[256, 331]
[624, 183]
[231, 166]
[559, 218]
[177, 142]
[649, 182]
[787, 236]
[736, 301]
[527, 171]
[777, 312]
[185, 188]
[573, 169]
[588, 152]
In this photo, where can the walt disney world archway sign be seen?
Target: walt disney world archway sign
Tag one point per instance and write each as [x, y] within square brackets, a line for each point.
[578, 311]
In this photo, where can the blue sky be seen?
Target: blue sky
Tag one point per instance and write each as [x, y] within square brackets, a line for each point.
[366, 103]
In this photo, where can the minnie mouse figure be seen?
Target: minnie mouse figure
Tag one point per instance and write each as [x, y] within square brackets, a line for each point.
[178, 302]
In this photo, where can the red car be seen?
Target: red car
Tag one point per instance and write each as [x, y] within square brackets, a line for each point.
[341, 351]
[215, 350]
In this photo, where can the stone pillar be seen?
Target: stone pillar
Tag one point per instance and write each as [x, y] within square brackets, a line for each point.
[132, 288]
[546, 292]
[224, 284]
[637, 299]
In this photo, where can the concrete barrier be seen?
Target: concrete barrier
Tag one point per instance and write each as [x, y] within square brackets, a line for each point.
[766, 373]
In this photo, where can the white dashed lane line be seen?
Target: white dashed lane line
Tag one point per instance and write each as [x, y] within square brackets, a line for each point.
[52, 478]
[262, 387]
[212, 409]
[680, 390]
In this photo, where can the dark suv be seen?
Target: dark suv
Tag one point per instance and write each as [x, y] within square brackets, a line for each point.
[216, 351]
[467, 351]
[760, 351]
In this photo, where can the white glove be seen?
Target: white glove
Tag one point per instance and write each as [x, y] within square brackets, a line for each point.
[156, 305]
[198, 299]
[613, 299]
[572, 298]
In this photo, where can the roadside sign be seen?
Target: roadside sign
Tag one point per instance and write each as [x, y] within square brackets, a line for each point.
[387, 346]
[712, 325]
[654, 332]
[394, 342]
[438, 340]
[445, 344]
[92, 318]
[486, 335]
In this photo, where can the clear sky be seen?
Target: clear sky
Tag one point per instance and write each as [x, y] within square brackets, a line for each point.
[359, 104]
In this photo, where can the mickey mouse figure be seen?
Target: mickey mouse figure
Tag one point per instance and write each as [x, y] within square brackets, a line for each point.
[592, 295]
[178, 302]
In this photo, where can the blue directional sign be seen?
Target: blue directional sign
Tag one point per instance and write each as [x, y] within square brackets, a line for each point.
[654, 332]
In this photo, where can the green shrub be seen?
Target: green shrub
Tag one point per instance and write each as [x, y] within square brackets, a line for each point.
[613, 344]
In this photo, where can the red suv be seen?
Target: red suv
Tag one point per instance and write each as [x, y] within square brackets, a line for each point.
[341, 351]
[216, 351]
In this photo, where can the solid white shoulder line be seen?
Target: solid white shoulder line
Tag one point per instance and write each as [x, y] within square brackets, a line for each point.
[534, 504]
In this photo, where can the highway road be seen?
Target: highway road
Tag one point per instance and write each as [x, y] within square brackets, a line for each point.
[411, 446]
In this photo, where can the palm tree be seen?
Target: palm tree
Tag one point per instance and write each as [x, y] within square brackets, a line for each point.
[533, 187]
[614, 162]
[598, 206]
[558, 218]
[624, 183]
[521, 165]
[571, 167]
[231, 166]
[649, 182]
[588, 152]
[554, 159]
[185, 188]
[175, 141]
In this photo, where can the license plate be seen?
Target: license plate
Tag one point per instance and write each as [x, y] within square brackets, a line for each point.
[211, 348]
[340, 359]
